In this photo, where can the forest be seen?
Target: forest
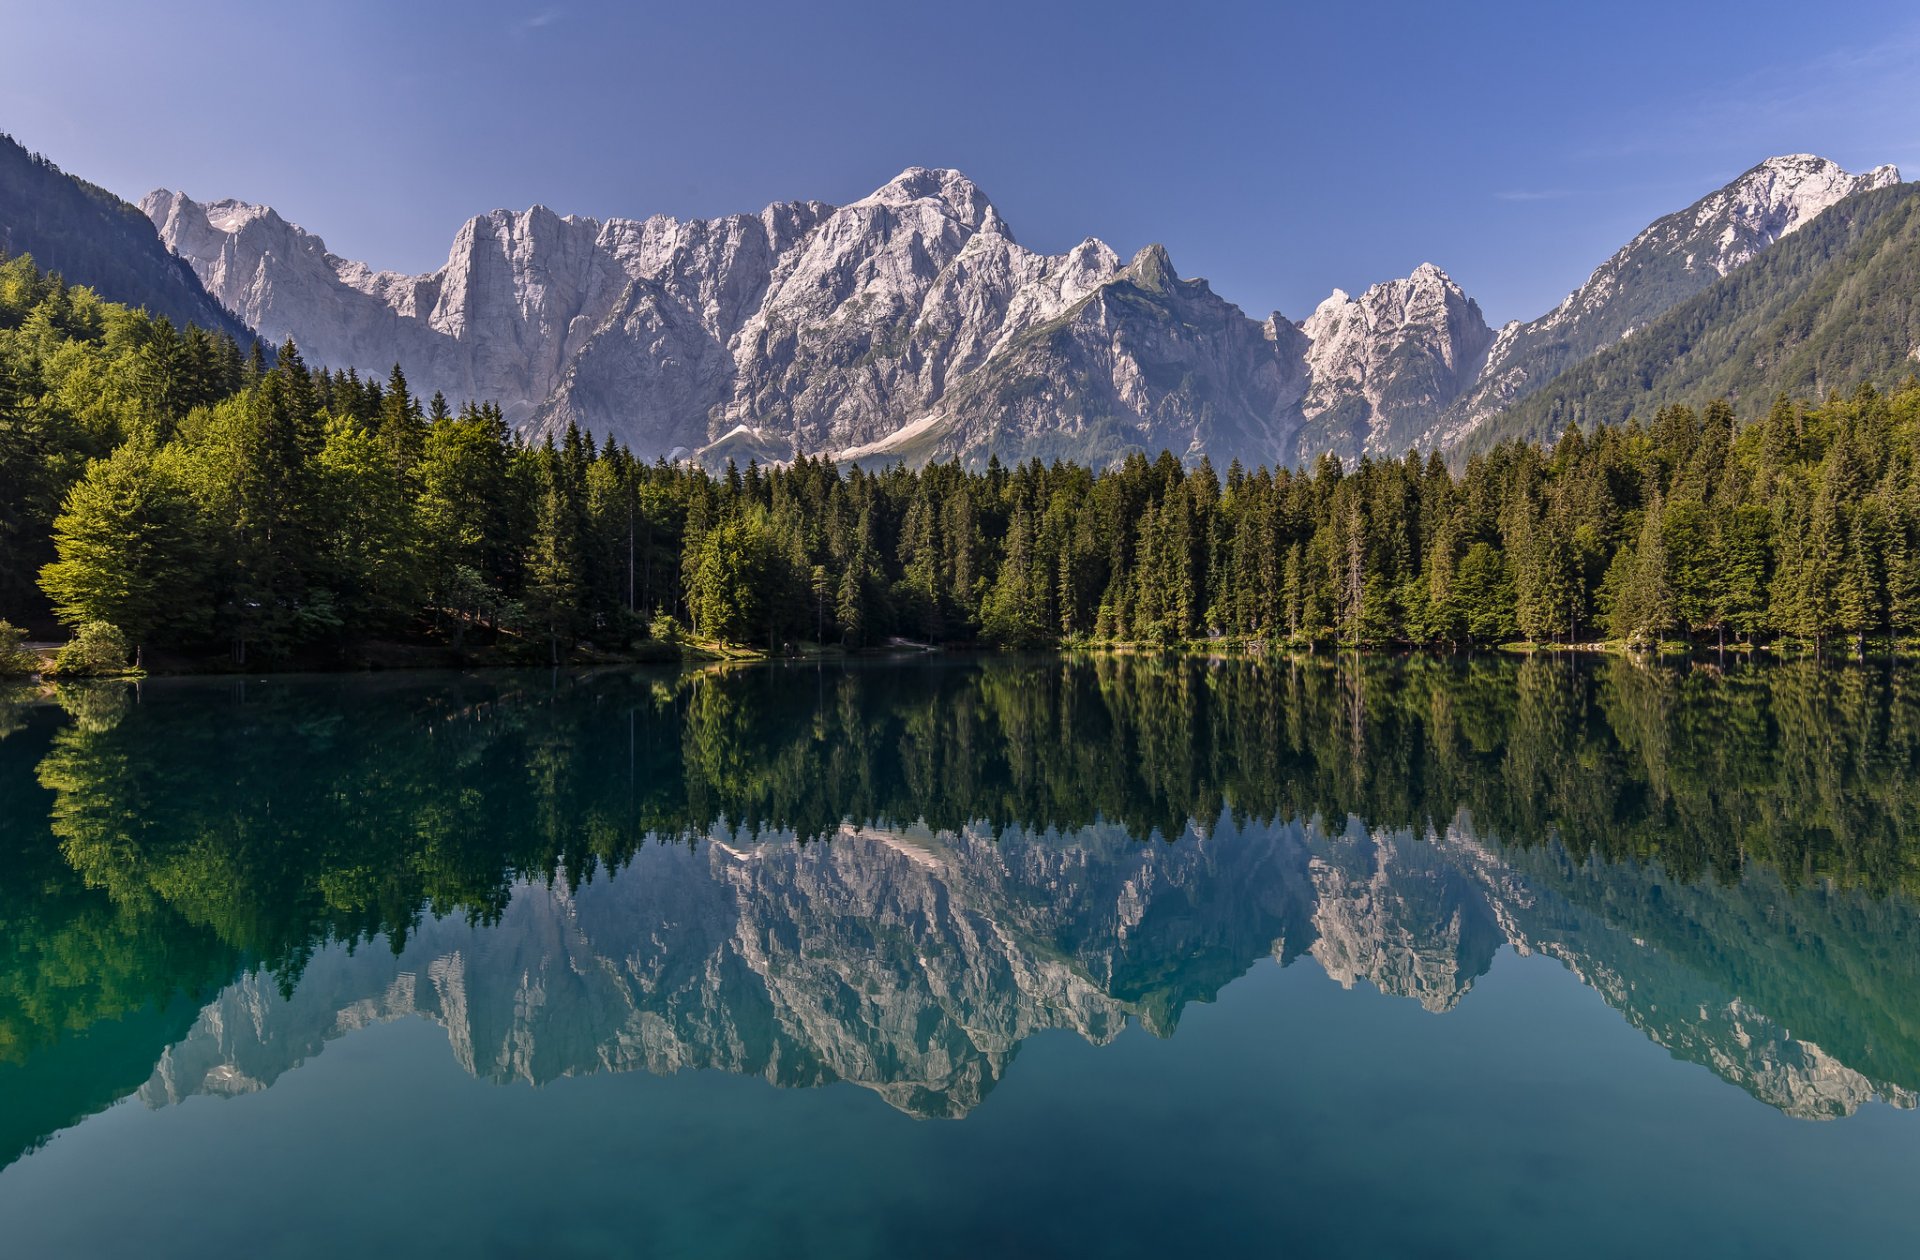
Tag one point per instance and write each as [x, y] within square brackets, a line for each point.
[162, 489]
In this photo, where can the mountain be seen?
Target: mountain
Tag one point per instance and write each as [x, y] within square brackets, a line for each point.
[1837, 305]
[911, 325]
[1384, 364]
[803, 328]
[1144, 361]
[1675, 258]
[94, 238]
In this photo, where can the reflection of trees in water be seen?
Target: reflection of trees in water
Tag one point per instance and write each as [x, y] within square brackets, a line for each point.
[215, 827]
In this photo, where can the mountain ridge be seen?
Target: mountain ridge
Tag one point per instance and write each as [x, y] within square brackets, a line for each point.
[1655, 271]
[1830, 309]
[910, 325]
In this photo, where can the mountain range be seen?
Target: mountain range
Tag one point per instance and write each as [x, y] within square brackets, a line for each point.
[911, 325]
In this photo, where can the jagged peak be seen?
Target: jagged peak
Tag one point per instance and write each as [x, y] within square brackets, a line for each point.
[533, 217]
[1094, 251]
[1152, 268]
[227, 214]
[1800, 166]
[1796, 185]
[1333, 301]
[1423, 279]
[964, 199]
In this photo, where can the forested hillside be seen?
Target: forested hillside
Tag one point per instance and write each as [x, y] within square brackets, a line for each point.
[94, 238]
[1833, 305]
[204, 500]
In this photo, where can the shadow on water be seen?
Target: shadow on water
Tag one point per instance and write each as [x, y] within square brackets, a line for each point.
[892, 874]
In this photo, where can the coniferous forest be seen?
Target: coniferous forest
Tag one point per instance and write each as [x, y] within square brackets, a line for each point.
[166, 489]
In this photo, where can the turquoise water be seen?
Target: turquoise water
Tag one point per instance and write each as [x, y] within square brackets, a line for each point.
[1000, 956]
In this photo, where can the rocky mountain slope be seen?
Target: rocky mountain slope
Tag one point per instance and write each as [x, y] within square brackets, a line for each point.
[1836, 305]
[912, 325]
[94, 238]
[1385, 363]
[1676, 257]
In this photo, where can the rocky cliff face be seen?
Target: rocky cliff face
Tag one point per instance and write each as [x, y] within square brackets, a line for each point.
[1385, 363]
[911, 325]
[1671, 260]
[1143, 361]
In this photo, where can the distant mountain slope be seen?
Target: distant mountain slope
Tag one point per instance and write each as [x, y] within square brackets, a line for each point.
[1836, 304]
[94, 238]
[1145, 361]
[1675, 257]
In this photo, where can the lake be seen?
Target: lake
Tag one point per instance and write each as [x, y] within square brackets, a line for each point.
[960, 956]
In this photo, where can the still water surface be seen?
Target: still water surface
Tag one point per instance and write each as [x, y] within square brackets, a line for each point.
[1121, 956]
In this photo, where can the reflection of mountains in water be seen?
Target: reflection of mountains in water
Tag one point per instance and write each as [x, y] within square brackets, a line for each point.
[914, 963]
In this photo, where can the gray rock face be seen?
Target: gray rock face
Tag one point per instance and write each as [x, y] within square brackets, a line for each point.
[1385, 363]
[1143, 361]
[911, 325]
[910, 963]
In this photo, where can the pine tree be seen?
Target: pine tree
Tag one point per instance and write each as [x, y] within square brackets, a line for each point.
[399, 425]
[1646, 610]
[553, 564]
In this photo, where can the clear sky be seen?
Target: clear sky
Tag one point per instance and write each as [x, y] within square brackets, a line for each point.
[1278, 149]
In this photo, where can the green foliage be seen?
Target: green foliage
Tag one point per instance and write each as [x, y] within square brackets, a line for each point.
[738, 580]
[131, 547]
[15, 660]
[158, 483]
[97, 650]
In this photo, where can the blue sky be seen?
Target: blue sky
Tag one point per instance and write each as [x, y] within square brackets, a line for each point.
[1278, 149]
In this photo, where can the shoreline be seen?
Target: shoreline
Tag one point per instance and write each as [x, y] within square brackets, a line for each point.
[390, 657]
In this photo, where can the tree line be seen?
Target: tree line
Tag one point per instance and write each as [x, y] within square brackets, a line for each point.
[190, 495]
